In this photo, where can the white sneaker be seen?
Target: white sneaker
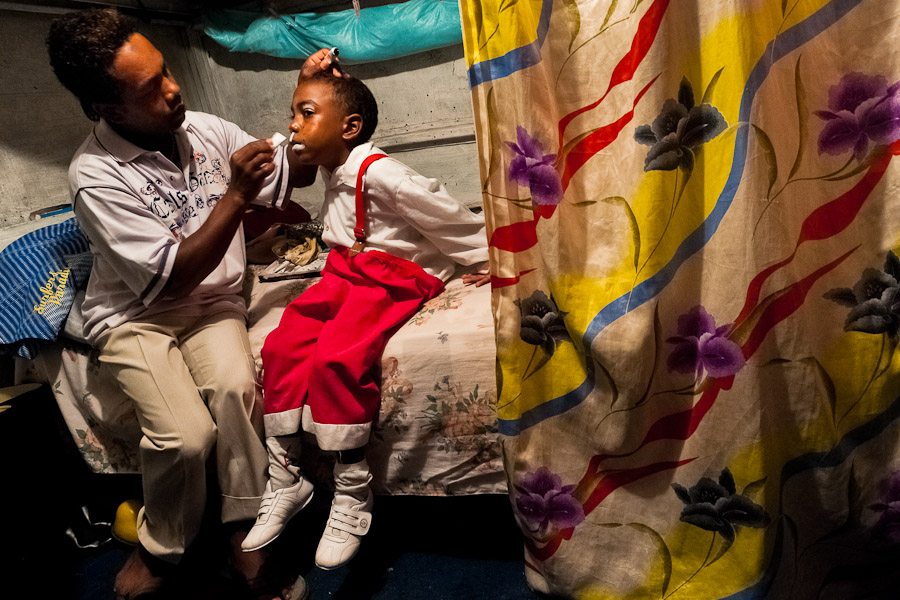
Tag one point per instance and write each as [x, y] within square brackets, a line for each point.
[348, 522]
[275, 510]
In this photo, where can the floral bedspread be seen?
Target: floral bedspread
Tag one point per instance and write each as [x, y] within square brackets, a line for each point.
[437, 433]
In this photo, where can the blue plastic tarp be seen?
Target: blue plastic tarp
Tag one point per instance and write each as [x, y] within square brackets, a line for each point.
[378, 33]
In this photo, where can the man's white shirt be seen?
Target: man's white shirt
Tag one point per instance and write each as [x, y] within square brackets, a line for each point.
[136, 207]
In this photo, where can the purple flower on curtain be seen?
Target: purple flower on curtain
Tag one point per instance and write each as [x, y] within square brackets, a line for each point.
[534, 169]
[874, 301]
[888, 525]
[542, 322]
[716, 506]
[701, 346]
[861, 109]
[542, 501]
[680, 129]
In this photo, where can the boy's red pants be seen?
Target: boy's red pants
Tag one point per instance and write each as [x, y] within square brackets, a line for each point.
[321, 365]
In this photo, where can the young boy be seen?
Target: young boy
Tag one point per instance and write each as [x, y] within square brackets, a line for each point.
[392, 248]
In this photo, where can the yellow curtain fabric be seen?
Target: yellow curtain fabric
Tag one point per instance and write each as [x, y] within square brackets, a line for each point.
[693, 217]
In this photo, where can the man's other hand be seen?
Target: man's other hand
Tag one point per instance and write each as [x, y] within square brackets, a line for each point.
[319, 61]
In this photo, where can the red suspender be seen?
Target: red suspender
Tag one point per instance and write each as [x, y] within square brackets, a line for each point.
[360, 231]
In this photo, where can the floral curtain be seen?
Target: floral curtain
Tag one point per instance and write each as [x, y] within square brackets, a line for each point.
[693, 218]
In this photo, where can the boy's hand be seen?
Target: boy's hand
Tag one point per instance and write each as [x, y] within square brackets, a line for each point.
[320, 61]
[249, 167]
[479, 279]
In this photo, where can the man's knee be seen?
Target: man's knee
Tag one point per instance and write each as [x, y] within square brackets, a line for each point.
[235, 386]
[188, 444]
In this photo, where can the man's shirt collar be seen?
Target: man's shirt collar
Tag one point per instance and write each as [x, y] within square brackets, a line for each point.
[121, 149]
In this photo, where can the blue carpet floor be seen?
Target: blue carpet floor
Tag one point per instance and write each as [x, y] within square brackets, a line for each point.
[428, 548]
[418, 548]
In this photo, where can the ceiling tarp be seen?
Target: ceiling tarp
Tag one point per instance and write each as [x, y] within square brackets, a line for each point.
[378, 33]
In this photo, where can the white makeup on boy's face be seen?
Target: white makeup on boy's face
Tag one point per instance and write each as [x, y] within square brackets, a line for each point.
[317, 125]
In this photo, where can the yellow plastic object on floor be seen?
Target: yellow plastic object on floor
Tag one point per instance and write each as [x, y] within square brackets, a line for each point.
[124, 527]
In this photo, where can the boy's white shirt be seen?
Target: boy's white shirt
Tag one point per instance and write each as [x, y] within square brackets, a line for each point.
[407, 215]
[136, 207]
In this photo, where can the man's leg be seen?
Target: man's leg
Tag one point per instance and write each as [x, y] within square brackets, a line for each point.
[178, 435]
[217, 352]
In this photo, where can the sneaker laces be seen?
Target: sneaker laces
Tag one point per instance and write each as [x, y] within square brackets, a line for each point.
[349, 521]
[265, 505]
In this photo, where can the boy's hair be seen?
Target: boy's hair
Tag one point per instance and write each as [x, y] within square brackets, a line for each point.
[354, 97]
[83, 46]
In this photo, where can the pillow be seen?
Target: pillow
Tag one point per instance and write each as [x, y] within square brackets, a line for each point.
[39, 275]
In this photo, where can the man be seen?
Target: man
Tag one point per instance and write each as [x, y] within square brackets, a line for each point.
[160, 193]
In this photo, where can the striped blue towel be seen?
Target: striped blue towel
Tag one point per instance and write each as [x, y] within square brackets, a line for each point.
[39, 275]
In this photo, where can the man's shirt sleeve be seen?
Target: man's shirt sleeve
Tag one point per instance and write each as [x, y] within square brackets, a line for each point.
[125, 235]
[275, 189]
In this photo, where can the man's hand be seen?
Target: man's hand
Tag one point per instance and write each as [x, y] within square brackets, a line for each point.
[249, 167]
[478, 279]
[320, 61]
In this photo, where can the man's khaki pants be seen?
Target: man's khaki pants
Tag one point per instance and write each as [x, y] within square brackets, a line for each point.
[193, 382]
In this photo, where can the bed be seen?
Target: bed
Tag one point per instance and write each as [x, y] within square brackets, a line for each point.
[437, 430]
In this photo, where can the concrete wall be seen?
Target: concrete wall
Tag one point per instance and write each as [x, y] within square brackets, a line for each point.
[424, 104]
[41, 123]
[425, 111]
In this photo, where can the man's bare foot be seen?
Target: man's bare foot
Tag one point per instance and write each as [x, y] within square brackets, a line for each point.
[251, 567]
[141, 574]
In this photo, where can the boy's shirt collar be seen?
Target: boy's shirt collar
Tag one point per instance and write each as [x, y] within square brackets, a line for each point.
[121, 149]
[346, 173]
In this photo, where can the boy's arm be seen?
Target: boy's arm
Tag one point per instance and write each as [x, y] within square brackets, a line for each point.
[454, 229]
